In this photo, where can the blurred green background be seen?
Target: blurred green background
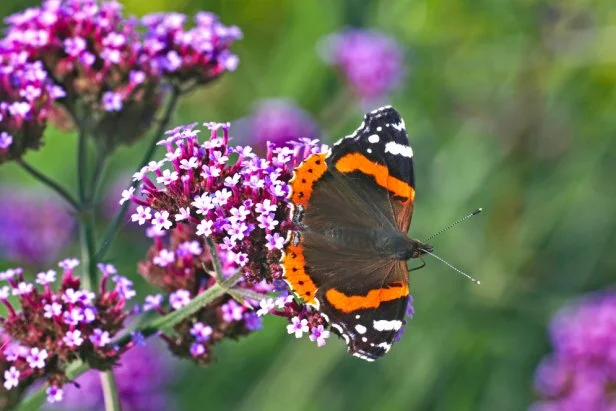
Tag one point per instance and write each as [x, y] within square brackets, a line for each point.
[511, 107]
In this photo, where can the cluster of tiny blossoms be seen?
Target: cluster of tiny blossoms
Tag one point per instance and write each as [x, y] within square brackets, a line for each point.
[52, 328]
[581, 372]
[371, 61]
[235, 198]
[180, 263]
[113, 69]
[26, 97]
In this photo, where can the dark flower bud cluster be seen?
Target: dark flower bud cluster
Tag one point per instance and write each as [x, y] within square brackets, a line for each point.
[581, 372]
[233, 197]
[53, 327]
[26, 97]
[111, 70]
[182, 266]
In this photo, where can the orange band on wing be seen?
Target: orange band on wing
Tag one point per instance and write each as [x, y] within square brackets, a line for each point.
[294, 266]
[358, 162]
[374, 298]
[305, 176]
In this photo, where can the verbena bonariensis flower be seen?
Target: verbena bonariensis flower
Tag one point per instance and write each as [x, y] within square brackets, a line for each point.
[113, 69]
[278, 121]
[53, 327]
[238, 200]
[371, 61]
[26, 97]
[182, 266]
[198, 54]
[142, 378]
[33, 228]
[581, 372]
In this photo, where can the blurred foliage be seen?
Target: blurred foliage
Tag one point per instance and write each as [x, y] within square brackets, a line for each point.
[510, 106]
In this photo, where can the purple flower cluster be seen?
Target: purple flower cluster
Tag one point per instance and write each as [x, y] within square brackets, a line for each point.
[142, 377]
[279, 121]
[228, 194]
[198, 54]
[26, 97]
[113, 69]
[581, 372]
[210, 190]
[182, 266]
[371, 61]
[33, 229]
[53, 328]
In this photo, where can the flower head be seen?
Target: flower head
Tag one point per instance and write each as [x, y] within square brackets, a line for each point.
[56, 325]
[579, 374]
[109, 69]
[26, 97]
[371, 62]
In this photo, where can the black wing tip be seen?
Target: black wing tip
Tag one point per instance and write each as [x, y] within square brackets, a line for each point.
[383, 114]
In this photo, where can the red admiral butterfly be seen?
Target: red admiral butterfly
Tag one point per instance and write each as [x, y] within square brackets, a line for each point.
[353, 208]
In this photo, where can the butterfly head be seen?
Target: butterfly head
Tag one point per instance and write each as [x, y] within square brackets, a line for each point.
[417, 248]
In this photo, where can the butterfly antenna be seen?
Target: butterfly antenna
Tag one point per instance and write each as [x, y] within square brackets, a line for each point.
[474, 213]
[476, 281]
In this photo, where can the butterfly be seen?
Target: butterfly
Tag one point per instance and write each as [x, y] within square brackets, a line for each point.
[348, 258]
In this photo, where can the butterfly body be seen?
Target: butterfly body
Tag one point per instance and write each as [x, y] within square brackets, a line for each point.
[353, 208]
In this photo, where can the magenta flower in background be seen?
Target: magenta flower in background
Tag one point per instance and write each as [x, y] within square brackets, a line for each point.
[581, 372]
[371, 62]
[278, 121]
[33, 228]
[142, 377]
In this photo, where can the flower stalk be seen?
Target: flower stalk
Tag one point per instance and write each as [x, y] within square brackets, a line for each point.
[156, 136]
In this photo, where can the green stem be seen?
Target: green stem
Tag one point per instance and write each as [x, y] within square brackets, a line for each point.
[82, 153]
[61, 191]
[88, 251]
[110, 392]
[97, 176]
[115, 224]
[217, 266]
[35, 401]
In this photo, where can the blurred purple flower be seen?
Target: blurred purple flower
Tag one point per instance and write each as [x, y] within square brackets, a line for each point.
[581, 372]
[277, 121]
[33, 228]
[142, 377]
[371, 61]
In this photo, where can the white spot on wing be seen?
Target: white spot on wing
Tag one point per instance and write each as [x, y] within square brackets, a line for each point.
[385, 325]
[400, 126]
[361, 329]
[369, 150]
[364, 339]
[374, 138]
[363, 357]
[385, 346]
[379, 128]
[398, 149]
